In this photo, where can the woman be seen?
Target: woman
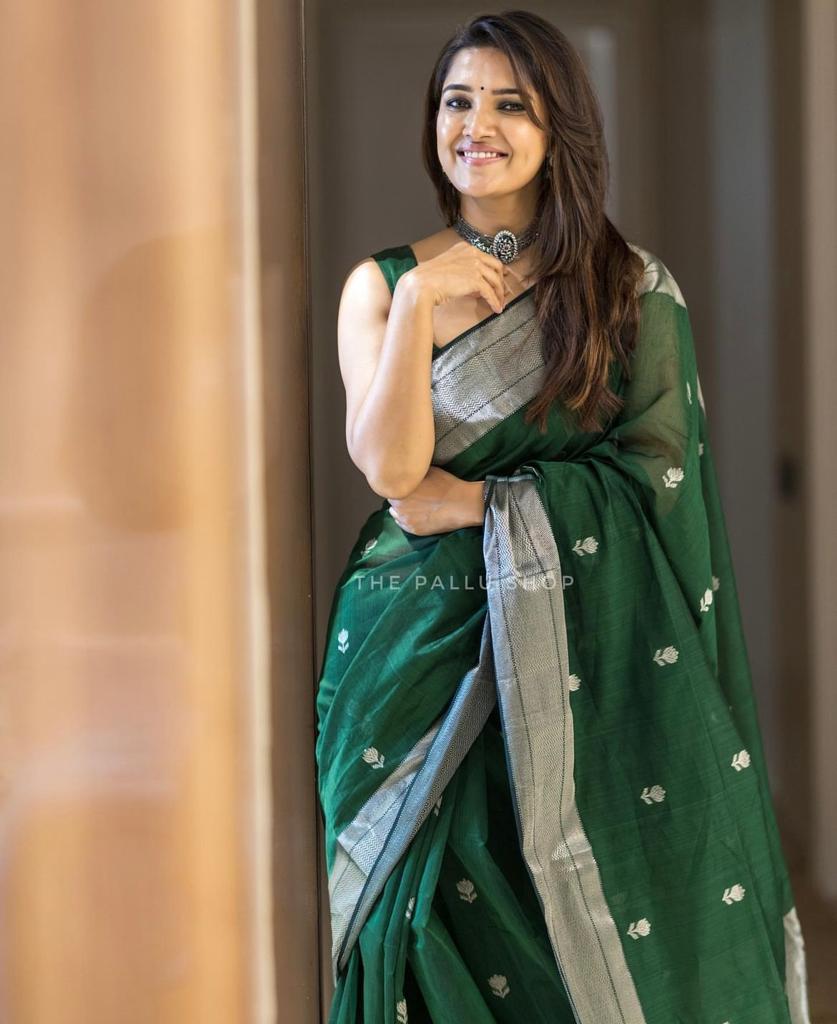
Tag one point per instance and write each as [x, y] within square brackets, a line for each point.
[543, 783]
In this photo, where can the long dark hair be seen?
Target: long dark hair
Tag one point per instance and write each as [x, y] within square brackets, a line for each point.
[585, 295]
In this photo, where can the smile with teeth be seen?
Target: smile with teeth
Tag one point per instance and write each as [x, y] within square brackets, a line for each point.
[480, 155]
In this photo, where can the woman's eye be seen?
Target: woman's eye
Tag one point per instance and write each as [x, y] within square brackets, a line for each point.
[508, 103]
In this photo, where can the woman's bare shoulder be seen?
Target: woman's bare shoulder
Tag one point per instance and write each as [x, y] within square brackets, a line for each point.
[365, 288]
[433, 245]
[365, 282]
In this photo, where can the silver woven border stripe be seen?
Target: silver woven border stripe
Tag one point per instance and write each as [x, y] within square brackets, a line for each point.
[497, 368]
[657, 277]
[532, 670]
[484, 378]
[359, 843]
[371, 846]
[796, 975]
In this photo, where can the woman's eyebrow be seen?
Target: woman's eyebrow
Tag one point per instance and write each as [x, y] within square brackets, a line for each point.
[467, 88]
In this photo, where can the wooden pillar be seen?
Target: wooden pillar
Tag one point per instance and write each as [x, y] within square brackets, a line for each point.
[155, 605]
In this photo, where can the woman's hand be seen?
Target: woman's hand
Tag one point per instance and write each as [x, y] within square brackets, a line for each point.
[461, 270]
[441, 502]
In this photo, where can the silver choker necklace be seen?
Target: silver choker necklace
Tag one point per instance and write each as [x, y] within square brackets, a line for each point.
[505, 245]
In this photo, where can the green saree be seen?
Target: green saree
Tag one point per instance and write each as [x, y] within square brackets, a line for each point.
[544, 791]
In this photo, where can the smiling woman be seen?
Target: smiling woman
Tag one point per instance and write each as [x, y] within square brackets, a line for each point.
[539, 759]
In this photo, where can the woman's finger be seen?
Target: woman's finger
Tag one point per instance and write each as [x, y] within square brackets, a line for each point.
[493, 292]
[489, 293]
[495, 270]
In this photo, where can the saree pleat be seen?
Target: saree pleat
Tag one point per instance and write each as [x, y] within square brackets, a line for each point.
[544, 790]
[417, 929]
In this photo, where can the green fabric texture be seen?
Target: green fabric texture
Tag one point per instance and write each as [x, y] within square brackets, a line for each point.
[624, 715]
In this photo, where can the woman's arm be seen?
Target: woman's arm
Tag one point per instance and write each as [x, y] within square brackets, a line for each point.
[385, 350]
[441, 503]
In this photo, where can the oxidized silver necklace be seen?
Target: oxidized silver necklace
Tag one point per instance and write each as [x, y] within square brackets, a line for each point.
[505, 245]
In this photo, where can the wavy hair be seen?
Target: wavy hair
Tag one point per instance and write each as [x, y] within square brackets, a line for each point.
[586, 273]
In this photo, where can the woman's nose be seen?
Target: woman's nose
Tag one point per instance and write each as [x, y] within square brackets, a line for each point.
[477, 120]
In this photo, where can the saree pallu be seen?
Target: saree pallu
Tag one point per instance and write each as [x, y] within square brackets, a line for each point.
[543, 785]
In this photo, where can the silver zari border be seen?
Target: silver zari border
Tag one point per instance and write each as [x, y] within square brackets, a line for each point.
[484, 378]
[528, 626]
[370, 847]
[796, 975]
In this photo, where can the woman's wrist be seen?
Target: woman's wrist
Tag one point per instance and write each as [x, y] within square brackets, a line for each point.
[419, 288]
[413, 286]
[476, 502]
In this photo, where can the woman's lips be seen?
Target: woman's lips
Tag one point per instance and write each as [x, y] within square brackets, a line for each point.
[475, 161]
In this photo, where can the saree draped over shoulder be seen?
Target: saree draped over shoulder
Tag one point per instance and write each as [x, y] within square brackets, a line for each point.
[539, 761]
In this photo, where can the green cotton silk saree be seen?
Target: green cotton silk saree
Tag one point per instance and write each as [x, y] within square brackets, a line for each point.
[544, 791]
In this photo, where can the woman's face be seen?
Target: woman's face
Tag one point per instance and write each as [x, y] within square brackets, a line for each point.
[473, 113]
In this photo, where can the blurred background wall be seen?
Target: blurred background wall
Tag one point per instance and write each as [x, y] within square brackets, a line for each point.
[720, 125]
[155, 585]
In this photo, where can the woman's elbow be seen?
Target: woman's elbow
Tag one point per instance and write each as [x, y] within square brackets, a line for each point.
[391, 485]
[392, 481]
[387, 477]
